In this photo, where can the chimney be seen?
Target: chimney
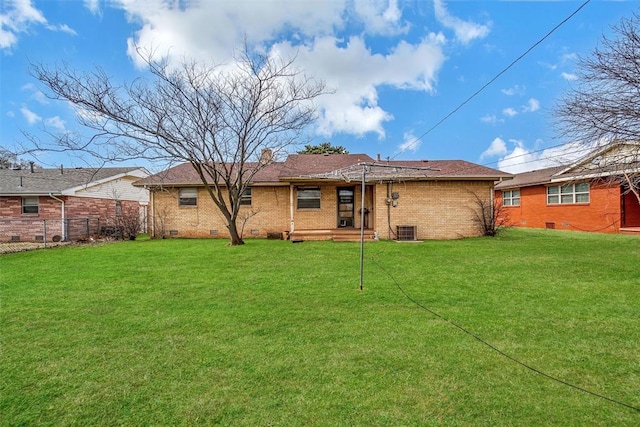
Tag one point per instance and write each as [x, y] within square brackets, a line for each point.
[378, 160]
[266, 156]
[31, 166]
[61, 170]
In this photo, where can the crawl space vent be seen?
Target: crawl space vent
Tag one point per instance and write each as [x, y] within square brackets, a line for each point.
[406, 232]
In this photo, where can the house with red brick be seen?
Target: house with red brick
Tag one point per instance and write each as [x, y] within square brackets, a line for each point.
[43, 205]
[330, 197]
[591, 194]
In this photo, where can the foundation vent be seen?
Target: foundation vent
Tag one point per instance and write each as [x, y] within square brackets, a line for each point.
[406, 233]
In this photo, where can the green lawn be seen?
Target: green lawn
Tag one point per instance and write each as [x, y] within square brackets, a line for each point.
[188, 332]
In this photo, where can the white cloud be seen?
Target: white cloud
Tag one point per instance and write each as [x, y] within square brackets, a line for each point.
[36, 94]
[211, 31]
[31, 117]
[40, 97]
[497, 148]
[55, 122]
[509, 112]
[532, 106]
[355, 73]
[523, 159]
[490, 119]
[569, 76]
[381, 17]
[465, 31]
[515, 90]
[18, 18]
[411, 143]
[67, 29]
[93, 6]
[548, 65]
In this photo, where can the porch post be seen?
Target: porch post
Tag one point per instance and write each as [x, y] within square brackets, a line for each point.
[291, 227]
[364, 168]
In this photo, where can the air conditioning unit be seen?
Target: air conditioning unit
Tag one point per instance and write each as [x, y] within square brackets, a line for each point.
[406, 232]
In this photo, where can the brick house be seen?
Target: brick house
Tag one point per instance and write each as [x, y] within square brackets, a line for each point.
[66, 204]
[580, 197]
[316, 196]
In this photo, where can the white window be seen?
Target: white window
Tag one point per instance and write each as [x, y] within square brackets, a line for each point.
[245, 198]
[308, 197]
[511, 197]
[568, 194]
[188, 197]
[30, 205]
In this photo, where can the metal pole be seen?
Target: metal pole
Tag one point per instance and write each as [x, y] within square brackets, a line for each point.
[362, 228]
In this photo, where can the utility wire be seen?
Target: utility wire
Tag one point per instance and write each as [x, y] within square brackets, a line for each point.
[455, 110]
[497, 350]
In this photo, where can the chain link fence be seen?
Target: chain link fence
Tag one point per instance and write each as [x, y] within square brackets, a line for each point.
[20, 234]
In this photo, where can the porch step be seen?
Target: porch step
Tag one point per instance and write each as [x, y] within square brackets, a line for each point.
[631, 231]
[337, 235]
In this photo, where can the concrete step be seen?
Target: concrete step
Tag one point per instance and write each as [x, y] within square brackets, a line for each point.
[337, 235]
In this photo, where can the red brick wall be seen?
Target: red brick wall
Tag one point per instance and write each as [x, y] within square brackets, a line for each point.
[30, 227]
[601, 214]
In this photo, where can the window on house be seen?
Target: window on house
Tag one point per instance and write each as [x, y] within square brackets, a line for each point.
[568, 194]
[188, 197]
[511, 198]
[245, 198]
[30, 205]
[308, 197]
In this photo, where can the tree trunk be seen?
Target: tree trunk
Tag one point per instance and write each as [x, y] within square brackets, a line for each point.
[236, 239]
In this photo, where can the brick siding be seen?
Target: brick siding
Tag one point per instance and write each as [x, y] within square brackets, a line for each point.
[439, 210]
[79, 210]
[601, 214]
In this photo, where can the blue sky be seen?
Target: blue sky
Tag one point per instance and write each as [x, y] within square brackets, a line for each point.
[397, 67]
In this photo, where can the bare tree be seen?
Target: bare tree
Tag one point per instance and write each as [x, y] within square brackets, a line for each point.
[127, 221]
[604, 107]
[220, 119]
[9, 160]
[489, 215]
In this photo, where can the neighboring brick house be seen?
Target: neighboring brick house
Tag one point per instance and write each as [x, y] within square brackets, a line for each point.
[580, 197]
[316, 196]
[66, 204]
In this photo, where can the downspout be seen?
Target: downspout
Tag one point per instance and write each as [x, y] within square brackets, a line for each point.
[152, 216]
[492, 197]
[388, 202]
[292, 225]
[64, 224]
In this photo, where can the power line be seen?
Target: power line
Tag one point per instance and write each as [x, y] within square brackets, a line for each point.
[497, 350]
[477, 92]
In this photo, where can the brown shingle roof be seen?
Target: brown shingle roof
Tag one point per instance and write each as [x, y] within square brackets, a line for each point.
[185, 175]
[526, 179]
[300, 167]
[453, 169]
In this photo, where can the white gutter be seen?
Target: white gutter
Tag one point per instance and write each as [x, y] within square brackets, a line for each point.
[64, 225]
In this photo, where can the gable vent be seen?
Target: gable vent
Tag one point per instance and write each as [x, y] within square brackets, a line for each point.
[406, 232]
